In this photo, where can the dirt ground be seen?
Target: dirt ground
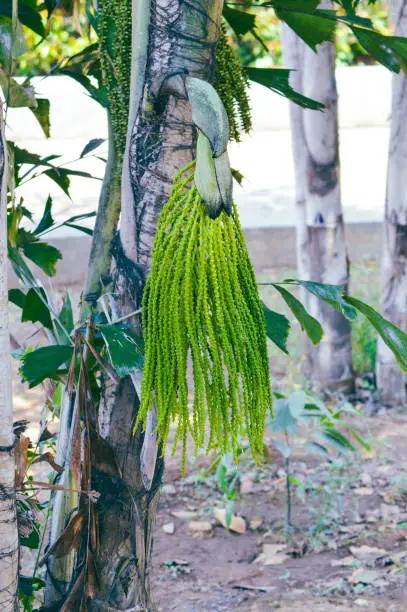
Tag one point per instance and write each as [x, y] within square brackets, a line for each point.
[348, 545]
[356, 559]
[347, 551]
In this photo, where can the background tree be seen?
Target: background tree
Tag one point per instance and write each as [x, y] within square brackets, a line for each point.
[8, 520]
[321, 247]
[390, 380]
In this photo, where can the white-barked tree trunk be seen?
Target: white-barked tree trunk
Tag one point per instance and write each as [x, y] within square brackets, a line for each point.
[390, 379]
[321, 247]
[8, 520]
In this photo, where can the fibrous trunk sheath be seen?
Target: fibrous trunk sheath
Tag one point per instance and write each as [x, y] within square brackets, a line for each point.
[321, 248]
[390, 379]
[8, 521]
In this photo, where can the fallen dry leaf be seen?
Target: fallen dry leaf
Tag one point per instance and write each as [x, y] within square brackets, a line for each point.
[249, 587]
[364, 576]
[255, 523]
[185, 515]
[169, 528]
[237, 523]
[246, 485]
[345, 562]
[200, 527]
[364, 491]
[272, 554]
[364, 552]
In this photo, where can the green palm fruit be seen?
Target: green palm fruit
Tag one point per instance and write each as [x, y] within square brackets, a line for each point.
[114, 30]
[201, 311]
[232, 83]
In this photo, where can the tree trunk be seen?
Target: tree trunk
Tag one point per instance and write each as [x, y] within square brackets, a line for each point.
[169, 37]
[390, 379]
[179, 36]
[8, 520]
[321, 248]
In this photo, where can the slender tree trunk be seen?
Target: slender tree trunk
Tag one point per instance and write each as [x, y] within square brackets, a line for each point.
[321, 248]
[8, 520]
[65, 502]
[390, 379]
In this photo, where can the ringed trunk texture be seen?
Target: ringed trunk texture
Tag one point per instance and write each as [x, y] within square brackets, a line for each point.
[321, 247]
[8, 518]
[169, 37]
[391, 381]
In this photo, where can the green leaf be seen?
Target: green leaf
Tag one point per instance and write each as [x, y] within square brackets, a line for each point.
[66, 314]
[314, 26]
[42, 114]
[330, 436]
[17, 297]
[17, 95]
[5, 42]
[283, 420]
[44, 363]
[316, 448]
[44, 255]
[378, 46]
[239, 21]
[332, 294]
[65, 318]
[60, 178]
[92, 145]
[399, 47]
[28, 16]
[10, 44]
[69, 223]
[29, 584]
[35, 308]
[32, 540]
[237, 175]
[79, 228]
[277, 328]
[361, 441]
[20, 267]
[395, 339]
[22, 156]
[278, 80]
[46, 221]
[125, 349]
[309, 324]
[297, 402]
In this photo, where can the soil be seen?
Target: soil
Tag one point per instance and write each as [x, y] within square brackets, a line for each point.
[365, 505]
[218, 571]
[347, 549]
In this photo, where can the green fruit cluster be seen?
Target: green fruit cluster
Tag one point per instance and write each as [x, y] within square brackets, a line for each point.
[201, 310]
[114, 30]
[231, 83]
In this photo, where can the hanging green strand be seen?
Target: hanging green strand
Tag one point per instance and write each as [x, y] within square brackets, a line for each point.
[114, 30]
[231, 83]
[201, 309]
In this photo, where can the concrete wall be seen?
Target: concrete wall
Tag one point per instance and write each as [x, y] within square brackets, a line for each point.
[266, 200]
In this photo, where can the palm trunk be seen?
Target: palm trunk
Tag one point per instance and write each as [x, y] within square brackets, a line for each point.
[179, 36]
[390, 379]
[169, 37]
[321, 248]
[8, 520]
